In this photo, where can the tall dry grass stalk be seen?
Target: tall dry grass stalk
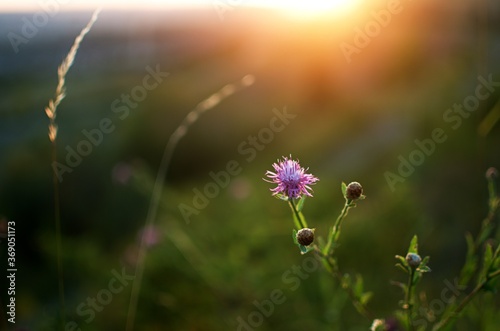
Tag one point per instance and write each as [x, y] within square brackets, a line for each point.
[51, 111]
[174, 139]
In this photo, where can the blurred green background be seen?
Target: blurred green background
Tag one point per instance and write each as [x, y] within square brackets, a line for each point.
[354, 119]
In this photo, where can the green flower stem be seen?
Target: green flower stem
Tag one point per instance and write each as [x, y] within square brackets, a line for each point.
[300, 223]
[408, 304]
[444, 322]
[336, 228]
[332, 267]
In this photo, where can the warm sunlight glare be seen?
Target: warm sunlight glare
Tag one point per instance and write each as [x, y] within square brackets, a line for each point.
[308, 8]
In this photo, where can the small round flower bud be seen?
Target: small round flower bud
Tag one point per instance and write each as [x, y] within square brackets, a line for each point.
[378, 325]
[305, 236]
[491, 173]
[354, 191]
[413, 260]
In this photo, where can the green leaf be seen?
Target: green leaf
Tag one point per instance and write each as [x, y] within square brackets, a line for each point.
[400, 266]
[485, 233]
[300, 205]
[402, 260]
[281, 197]
[425, 262]
[358, 286]
[471, 245]
[470, 265]
[321, 242]
[497, 252]
[413, 245]
[305, 249]
[496, 258]
[401, 316]
[487, 261]
[309, 248]
[399, 284]
[294, 236]
[344, 189]
[424, 269]
[403, 265]
[365, 297]
[490, 286]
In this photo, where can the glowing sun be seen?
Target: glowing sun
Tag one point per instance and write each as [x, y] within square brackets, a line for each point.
[308, 8]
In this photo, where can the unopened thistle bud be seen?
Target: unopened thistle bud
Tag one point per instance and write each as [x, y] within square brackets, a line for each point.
[413, 260]
[491, 173]
[305, 236]
[354, 191]
[378, 325]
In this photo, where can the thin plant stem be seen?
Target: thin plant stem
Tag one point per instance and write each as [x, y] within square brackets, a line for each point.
[493, 203]
[300, 223]
[332, 267]
[174, 139]
[336, 228]
[409, 306]
[51, 112]
[465, 301]
[57, 215]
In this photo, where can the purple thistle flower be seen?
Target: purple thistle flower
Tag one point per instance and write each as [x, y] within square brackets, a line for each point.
[291, 179]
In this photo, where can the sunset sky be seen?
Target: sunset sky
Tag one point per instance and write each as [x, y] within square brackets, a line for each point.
[305, 7]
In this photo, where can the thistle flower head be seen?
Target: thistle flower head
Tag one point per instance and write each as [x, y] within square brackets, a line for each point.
[291, 179]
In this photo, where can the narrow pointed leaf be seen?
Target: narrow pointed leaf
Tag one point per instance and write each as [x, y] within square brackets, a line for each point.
[365, 297]
[424, 269]
[487, 261]
[470, 265]
[398, 284]
[413, 245]
[358, 286]
[485, 233]
[300, 205]
[402, 267]
[402, 260]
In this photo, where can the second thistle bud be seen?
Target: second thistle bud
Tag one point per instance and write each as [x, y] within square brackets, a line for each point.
[354, 191]
[491, 173]
[305, 236]
[413, 260]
